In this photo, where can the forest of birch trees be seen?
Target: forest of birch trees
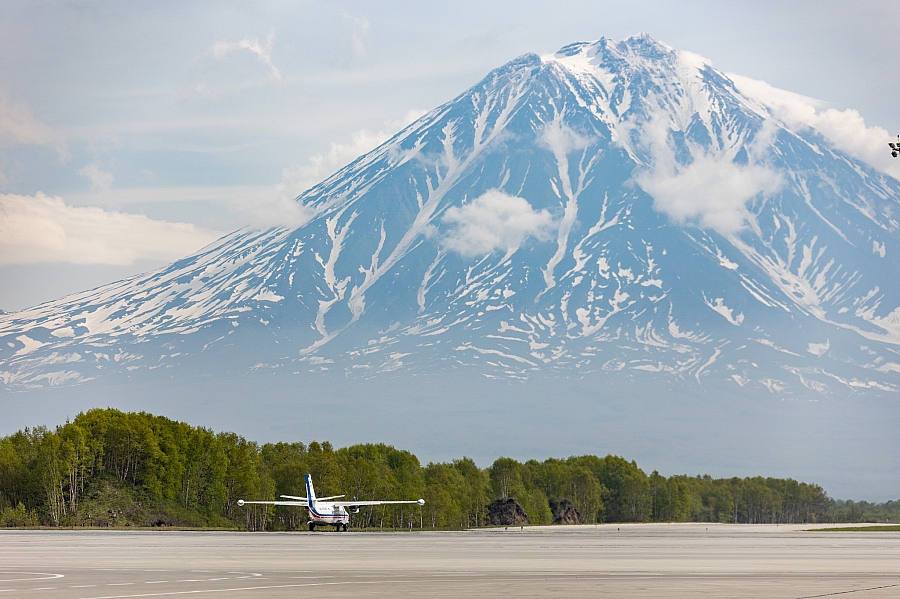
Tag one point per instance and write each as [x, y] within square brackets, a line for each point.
[111, 468]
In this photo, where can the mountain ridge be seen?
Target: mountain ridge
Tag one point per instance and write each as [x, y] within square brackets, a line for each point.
[647, 216]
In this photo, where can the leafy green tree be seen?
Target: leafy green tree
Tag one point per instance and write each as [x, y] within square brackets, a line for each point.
[552, 476]
[18, 478]
[286, 466]
[474, 496]
[711, 500]
[586, 493]
[322, 463]
[50, 472]
[505, 476]
[245, 474]
[627, 497]
[77, 458]
[443, 487]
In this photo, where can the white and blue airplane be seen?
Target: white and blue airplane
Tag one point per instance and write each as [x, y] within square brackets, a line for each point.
[322, 511]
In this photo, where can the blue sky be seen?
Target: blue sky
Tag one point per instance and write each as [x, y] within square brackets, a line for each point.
[133, 133]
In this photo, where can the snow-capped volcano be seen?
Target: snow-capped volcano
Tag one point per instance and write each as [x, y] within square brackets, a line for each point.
[617, 207]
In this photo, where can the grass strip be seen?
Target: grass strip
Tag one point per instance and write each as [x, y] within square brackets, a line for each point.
[875, 528]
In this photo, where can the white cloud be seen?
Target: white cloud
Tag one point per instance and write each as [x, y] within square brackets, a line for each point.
[562, 139]
[273, 207]
[494, 221]
[100, 180]
[19, 126]
[323, 164]
[44, 229]
[361, 28]
[252, 45]
[712, 191]
[846, 129]
[278, 208]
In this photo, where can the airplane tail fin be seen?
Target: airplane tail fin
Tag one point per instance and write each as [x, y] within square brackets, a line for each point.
[310, 492]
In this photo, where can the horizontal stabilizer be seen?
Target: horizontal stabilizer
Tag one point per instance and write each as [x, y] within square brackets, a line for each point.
[361, 503]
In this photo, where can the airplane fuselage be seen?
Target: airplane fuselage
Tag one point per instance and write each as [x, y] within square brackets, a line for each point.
[322, 513]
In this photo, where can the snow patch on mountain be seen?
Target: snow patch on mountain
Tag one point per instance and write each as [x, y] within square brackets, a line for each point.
[817, 349]
[28, 345]
[718, 305]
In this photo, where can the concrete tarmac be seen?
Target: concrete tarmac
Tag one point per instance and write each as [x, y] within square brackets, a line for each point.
[642, 560]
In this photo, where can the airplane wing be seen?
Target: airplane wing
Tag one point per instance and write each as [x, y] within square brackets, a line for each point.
[299, 503]
[361, 503]
[292, 497]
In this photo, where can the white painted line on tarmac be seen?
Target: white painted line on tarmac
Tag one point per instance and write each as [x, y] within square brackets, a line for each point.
[887, 586]
[39, 575]
[260, 588]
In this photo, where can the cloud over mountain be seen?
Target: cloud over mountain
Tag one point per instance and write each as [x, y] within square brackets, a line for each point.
[711, 192]
[494, 221]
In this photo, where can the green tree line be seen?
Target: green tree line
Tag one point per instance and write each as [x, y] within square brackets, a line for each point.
[111, 468]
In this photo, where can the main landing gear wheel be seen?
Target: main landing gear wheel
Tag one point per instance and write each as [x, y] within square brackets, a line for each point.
[346, 527]
[312, 527]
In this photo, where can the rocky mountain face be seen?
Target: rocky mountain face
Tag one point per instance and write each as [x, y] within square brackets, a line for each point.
[619, 212]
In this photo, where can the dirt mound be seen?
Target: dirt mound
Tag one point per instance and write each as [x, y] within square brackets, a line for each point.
[506, 512]
[564, 512]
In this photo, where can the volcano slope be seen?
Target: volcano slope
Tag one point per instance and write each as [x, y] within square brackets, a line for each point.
[616, 247]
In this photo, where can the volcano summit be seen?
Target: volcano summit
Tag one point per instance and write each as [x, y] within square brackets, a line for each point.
[613, 244]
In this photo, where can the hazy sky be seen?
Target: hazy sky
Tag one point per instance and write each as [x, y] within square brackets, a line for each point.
[132, 133]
